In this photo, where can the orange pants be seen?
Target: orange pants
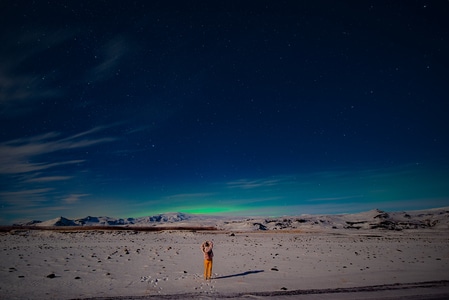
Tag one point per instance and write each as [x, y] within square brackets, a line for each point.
[207, 268]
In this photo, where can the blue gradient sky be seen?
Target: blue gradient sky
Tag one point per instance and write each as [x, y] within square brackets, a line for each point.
[253, 108]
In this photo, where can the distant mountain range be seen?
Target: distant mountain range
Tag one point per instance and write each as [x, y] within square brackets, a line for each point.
[373, 219]
[108, 221]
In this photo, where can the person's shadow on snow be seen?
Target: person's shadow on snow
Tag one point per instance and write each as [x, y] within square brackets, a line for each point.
[240, 274]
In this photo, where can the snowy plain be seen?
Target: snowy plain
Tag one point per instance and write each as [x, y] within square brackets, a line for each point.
[305, 257]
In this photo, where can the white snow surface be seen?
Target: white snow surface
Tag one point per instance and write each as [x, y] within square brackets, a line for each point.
[371, 255]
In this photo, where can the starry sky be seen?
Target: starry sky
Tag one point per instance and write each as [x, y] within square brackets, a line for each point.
[134, 108]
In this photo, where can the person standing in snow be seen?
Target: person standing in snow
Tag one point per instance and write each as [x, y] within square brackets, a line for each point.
[206, 248]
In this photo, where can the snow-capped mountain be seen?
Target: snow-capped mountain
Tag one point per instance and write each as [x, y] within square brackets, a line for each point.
[373, 219]
[109, 221]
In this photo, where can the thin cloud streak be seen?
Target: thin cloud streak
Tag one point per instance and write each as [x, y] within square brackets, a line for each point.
[113, 51]
[334, 198]
[257, 183]
[25, 167]
[16, 156]
[25, 164]
[24, 193]
[192, 195]
[74, 198]
[18, 90]
[49, 179]
[24, 198]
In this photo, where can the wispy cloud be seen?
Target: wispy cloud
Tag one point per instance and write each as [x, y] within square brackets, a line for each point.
[17, 89]
[29, 170]
[49, 179]
[18, 166]
[190, 195]
[20, 89]
[24, 198]
[112, 53]
[258, 183]
[74, 198]
[22, 155]
[334, 198]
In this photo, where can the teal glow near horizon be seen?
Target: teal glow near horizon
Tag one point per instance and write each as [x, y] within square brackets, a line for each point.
[407, 188]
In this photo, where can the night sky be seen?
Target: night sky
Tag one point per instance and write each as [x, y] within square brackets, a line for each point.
[133, 108]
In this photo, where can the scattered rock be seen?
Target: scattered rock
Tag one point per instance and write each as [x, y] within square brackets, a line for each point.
[283, 288]
[382, 214]
[260, 226]
[77, 277]
[232, 234]
[274, 269]
[52, 275]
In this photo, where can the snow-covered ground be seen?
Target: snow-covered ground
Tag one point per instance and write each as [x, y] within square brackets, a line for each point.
[306, 257]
